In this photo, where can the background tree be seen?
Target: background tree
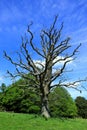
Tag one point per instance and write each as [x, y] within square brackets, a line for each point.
[52, 50]
[62, 104]
[81, 104]
[2, 94]
[21, 99]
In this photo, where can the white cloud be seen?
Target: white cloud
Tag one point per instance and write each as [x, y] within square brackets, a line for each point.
[70, 84]
[39, 63]
[58, 65]
[60, 58]
[62, 61]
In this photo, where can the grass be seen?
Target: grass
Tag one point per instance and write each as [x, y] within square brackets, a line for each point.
[14, 121]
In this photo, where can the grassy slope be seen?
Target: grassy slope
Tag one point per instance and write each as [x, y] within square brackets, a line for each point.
[11, 121]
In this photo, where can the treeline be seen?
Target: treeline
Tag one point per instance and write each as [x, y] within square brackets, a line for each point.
[21, 97]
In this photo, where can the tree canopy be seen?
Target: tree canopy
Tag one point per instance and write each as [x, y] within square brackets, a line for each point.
[81, 104]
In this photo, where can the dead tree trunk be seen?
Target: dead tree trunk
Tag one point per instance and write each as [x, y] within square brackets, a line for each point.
[45, 82]
[44, 102]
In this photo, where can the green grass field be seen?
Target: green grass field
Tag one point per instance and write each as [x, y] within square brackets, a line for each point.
[11, 121]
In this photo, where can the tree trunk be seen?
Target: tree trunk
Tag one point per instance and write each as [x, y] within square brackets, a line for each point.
[45, 107]
[45, 89]
[45, 102]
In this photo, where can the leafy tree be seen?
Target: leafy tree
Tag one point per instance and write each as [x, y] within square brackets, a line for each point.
[61, 103]
[81, 104]
[52, 50]
[21, 98]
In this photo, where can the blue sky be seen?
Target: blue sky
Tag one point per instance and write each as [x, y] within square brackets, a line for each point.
[15, 15]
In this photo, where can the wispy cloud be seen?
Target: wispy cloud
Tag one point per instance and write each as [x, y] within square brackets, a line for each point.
[58, 58]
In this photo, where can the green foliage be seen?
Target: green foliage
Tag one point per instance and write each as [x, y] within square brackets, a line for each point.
[1, 103]
[61, 103]
[81, 104]
[2, 92]
[20, 98]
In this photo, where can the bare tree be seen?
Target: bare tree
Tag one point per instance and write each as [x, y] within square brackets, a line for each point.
[53, 50]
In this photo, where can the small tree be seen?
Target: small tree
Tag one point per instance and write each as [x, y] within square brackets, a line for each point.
[61, 103]
[52, 51]
[81, 104]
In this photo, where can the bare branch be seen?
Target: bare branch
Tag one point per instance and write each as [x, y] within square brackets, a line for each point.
[68, 56]
[59, 49]
[57, 34]
[44, 44]
[60, 71]
[16, 64]
[29, 60]
[32, 45]
[53, 25]
[73, 84]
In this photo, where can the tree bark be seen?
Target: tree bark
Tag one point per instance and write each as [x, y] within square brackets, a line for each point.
[44, 102]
